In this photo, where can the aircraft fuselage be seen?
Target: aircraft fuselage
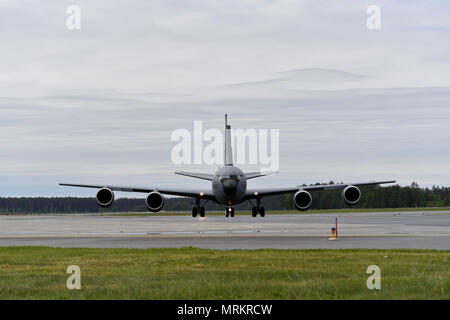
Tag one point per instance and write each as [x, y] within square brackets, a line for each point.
[229, 185]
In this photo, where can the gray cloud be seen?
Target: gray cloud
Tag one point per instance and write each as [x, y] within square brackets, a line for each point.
[100, 104]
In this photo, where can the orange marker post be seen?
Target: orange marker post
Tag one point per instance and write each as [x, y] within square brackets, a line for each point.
[333, 234]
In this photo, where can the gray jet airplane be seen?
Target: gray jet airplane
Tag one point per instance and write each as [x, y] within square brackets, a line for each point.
[229, 187]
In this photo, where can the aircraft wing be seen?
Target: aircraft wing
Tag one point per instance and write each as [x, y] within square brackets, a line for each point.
[265, 192]
[342, 185]
[192, 193]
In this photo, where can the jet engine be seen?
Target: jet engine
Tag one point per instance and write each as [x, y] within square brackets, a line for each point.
[351, 195]
[105, 197]
[302, 200]
[154, 201]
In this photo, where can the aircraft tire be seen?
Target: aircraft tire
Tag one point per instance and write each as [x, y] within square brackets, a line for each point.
[194, 211]
[262, 211]
[254, 212]
[202, 212]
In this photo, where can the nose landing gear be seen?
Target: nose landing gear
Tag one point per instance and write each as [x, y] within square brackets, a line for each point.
[229, 211]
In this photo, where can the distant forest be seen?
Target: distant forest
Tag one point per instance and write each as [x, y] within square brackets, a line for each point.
[372, 197]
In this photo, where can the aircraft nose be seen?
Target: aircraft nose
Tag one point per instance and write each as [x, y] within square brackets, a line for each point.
[229, 185]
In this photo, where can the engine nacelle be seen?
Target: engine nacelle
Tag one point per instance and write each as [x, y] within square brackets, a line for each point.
[105, 197]
[154, 201]
[351, 195]
[302, 200]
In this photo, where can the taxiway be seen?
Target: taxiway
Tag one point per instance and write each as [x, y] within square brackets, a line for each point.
[381, 230]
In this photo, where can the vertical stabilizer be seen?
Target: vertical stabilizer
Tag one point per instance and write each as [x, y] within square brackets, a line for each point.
[227, 151]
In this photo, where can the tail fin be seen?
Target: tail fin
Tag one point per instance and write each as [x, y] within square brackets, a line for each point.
[227, 151]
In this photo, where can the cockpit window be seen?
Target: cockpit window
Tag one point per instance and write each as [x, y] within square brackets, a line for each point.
[233, 176]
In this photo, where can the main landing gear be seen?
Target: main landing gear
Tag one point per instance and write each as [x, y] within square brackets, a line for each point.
[198, 209]
[258, 208]
[229, 212]
[261, 211]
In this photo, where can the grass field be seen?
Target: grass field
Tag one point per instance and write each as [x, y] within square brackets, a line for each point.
[268, 212]
[191, 273]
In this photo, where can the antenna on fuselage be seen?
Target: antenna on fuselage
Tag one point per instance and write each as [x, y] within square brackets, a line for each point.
[227, 151]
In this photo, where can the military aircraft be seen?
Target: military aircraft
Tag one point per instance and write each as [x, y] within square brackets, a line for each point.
[228, 187]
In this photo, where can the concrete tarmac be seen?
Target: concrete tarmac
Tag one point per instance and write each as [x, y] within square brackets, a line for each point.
[381, 230]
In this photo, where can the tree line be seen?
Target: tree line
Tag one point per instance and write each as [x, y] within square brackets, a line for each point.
[395, 196]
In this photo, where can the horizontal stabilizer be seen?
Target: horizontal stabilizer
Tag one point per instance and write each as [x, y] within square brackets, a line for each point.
[251, 175]
[203, 176]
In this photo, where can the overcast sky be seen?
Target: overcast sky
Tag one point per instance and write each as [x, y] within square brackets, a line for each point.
[99, 104]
